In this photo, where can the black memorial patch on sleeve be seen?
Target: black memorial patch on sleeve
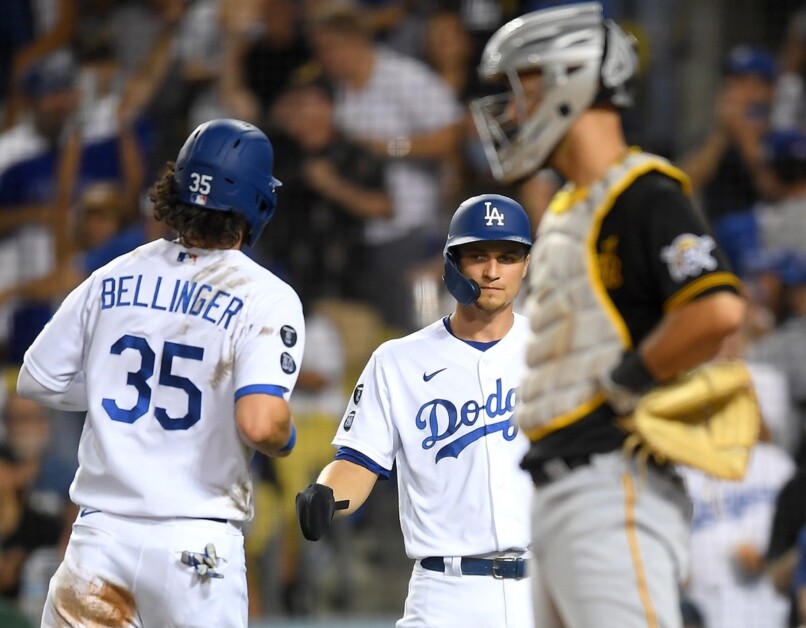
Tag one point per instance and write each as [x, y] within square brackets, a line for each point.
[287, 363]
[288, 335]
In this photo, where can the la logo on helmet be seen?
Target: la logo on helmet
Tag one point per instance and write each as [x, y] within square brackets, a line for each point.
[492, 214]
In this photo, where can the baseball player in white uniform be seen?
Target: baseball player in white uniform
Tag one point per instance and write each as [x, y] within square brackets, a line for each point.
[183, 354]
[438, 403]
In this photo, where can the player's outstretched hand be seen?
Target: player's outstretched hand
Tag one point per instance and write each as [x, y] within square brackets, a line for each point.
[315, 508]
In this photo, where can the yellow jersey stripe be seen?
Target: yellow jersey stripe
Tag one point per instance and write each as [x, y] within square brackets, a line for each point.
[683, 296]
[564, 420]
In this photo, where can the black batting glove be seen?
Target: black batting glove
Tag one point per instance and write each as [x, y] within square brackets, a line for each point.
[315, 508]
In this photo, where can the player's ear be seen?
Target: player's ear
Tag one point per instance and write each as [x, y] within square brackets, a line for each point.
[526, 261]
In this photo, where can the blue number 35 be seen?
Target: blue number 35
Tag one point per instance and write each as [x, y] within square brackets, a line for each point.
[139, 380]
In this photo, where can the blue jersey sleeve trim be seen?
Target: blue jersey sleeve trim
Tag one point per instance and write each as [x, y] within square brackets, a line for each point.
[356, 457]
[291, 441]
[260, 389]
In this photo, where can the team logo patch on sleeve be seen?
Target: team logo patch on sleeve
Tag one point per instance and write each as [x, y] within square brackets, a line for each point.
[359, 390]
[348, 421]
[287, 363]
[689, 255]
[288, 335]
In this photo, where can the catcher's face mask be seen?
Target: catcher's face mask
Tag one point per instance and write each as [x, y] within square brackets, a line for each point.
[580, 58]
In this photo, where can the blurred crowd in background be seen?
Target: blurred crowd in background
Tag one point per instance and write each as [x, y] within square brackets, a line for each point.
[366, 103]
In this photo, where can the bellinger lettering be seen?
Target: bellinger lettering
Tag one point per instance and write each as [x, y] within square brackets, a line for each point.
[183, 297]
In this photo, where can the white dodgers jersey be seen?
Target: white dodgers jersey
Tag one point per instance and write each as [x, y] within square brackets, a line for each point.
[168, 338]
[442, 410]
[726, 515]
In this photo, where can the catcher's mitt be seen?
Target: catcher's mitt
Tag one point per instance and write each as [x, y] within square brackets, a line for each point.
[708, 419]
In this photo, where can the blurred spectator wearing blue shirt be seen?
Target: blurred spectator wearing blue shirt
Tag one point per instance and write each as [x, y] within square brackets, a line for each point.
[778, 225]
[724, 169]
[57, 149]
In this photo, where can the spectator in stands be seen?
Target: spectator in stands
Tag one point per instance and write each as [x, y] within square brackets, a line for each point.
[45, 161]
[37, 172]
[782, 224]
[785, 346]
[402, 112]
[724, 169]
[779, 225]
[35, 31]
[730, 528]
[154, 89]
[336, 186]
[783, 550]
[450, 52]
[731, 521]
[261, 58]
[102, 235]
[34, 489]
[789, 101]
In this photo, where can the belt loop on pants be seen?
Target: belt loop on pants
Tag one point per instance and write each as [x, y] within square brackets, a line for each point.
[231, 522]
[500, 568]
[554, 469]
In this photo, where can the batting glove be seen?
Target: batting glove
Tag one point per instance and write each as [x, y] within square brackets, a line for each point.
[315, 508]
[205, 564]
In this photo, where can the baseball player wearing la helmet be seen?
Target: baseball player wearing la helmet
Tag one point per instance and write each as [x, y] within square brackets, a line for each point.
[183, 355]
[439, 404]
[627, 289]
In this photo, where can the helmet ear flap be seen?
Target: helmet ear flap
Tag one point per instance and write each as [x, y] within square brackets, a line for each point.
[464, 290]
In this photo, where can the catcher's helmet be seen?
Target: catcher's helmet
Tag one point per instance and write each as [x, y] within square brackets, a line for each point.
[485, 217]
[226, 165]
[583, 60]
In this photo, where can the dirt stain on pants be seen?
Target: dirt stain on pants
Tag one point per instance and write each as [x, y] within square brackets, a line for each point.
[93, 604]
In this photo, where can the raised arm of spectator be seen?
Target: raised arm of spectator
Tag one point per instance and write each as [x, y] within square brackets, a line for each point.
[141, 87]
[66, 179]
[323, 177]
[742, 116]
[53, 212]
[55, 284]
[58, 36]
[701, 163]
[132, 164]
[238, 19]
[788, 102]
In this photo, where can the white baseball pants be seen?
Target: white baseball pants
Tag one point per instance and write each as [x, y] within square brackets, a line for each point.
[121, 571]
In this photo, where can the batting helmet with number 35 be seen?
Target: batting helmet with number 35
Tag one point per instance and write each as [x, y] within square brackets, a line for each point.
[226, 165]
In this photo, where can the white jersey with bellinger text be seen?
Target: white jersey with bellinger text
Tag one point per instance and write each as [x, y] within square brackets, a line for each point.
[168, 338]
[442, 410]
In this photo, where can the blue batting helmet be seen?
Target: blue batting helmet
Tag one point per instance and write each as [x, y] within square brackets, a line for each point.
[484, 217]
[226, 165]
